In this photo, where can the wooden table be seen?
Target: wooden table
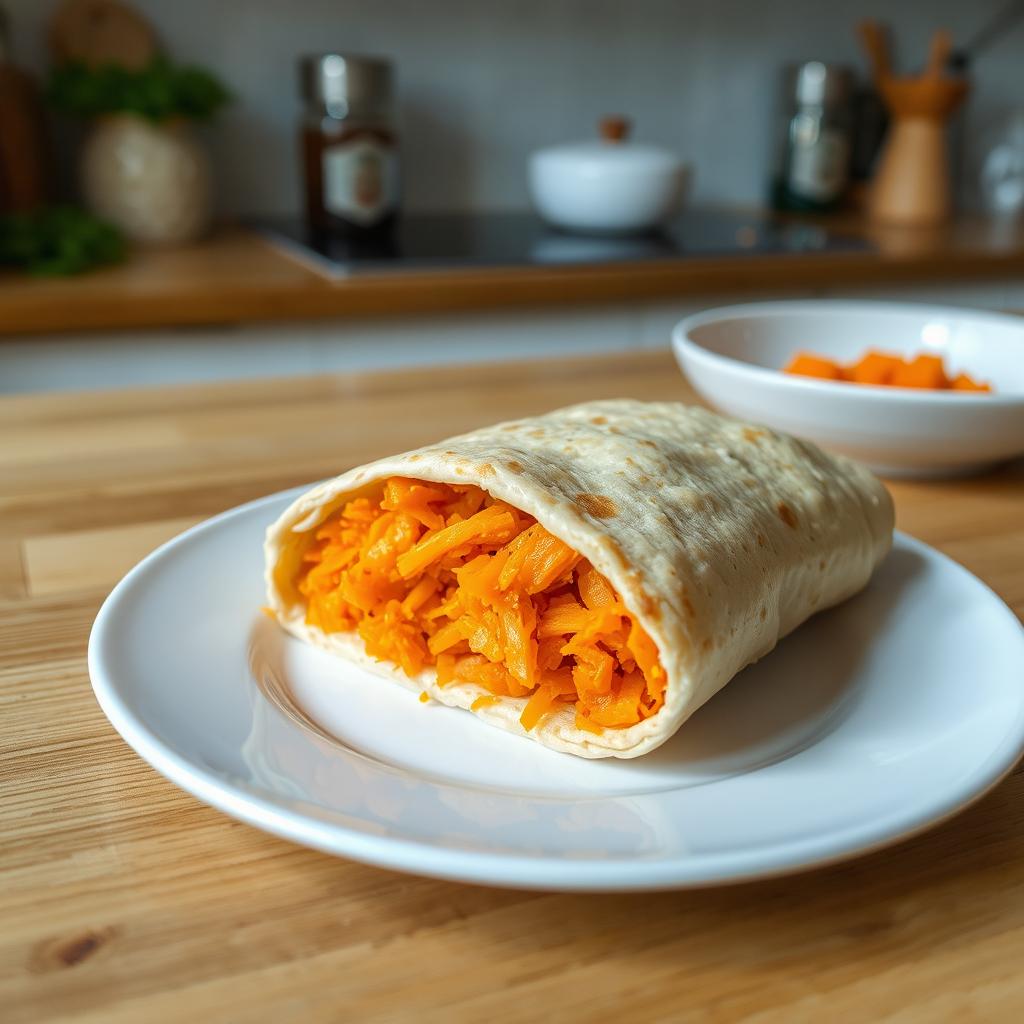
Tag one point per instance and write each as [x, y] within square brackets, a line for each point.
[238, 277]
[122, 899]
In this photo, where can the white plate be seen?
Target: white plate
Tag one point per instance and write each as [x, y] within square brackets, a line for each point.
[733, 356]
[870, 723]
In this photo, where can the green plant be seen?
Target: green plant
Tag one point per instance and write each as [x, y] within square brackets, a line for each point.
[159, 91]
[57, 240]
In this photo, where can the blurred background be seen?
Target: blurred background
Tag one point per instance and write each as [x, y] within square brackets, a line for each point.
[197, 191]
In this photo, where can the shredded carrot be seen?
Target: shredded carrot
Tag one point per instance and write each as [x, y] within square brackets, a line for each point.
[445, 668]
[484, 701]
[540, 703]
[584, 723]
[445, 576]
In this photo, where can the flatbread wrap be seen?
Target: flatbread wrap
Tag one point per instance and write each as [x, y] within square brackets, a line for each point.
[587, 578]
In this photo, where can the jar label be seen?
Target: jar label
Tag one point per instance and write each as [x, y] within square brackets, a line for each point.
[818, 166]
[360, 180]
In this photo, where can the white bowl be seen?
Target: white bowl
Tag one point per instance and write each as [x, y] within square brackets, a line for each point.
[607, 187]
[733, 357]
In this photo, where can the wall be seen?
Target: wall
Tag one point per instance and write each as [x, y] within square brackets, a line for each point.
[484, 82]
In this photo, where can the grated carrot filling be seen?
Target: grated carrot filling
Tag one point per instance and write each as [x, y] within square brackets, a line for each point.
[446, 576]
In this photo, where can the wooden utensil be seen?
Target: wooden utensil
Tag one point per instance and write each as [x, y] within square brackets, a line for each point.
[98, 32]
[912, 183]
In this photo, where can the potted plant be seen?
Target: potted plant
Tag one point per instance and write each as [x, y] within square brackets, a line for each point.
[141, 167]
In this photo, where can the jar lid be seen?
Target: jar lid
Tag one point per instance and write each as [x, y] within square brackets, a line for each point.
[610, 150]
[815, 84]
[348, 85]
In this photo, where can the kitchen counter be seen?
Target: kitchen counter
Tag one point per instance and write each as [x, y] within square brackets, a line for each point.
[239, 277]
[124, 899]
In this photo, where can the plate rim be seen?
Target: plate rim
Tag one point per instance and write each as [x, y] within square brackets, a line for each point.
[618, 874]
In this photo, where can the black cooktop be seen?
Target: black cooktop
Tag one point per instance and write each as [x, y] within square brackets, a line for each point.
[442, 241]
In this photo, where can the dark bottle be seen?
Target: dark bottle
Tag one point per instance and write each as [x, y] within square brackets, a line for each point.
[814, 168]
[348, 143]
[24, 148]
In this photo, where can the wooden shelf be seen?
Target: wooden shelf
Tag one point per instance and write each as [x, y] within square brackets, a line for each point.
[239, 277]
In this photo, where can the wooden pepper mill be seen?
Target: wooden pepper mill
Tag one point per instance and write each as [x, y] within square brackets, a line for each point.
[912, 183]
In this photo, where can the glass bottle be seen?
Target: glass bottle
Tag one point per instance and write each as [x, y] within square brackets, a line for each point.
[349, 146]
[815, 165]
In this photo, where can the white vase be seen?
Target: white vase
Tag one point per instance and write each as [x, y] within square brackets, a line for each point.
[151, 180]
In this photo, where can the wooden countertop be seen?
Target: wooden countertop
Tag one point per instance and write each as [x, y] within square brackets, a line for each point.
[123, 899]
[238, 277]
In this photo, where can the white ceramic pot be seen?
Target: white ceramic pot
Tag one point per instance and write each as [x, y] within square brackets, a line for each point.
[608, 185]
[151, 180]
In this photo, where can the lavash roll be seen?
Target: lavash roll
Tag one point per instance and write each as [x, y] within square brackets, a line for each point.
[721, 537]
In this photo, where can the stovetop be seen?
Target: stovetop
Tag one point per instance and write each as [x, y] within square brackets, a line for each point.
[451, 241]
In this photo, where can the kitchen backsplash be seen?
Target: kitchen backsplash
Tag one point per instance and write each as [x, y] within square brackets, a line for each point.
[483, 82]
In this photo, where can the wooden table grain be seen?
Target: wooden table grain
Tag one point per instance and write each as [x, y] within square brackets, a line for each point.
[122, 899]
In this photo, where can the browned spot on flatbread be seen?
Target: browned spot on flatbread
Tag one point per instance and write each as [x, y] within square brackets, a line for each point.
[597, 505]
[688, 605]
[649, 608]
[646, 443]
[515, 467]
[599, 421]
[536, 433]
[512, 426]
[821, 565]
[616, 552]
[749, 434]
[760, 540]
[486, 470]
[629, 461]
[706, 644]
[787, 515]
[415, 458]
[645, 604]
[764, 613]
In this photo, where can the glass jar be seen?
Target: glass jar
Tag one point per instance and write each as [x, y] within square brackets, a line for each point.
[349, 145]
[1002, 173]
[814, 168]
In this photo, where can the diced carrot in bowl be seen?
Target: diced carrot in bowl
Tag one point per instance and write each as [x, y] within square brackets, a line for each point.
[925, 371]
[874, 367]
[883, 369]
[805, 365]
[963, 382]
